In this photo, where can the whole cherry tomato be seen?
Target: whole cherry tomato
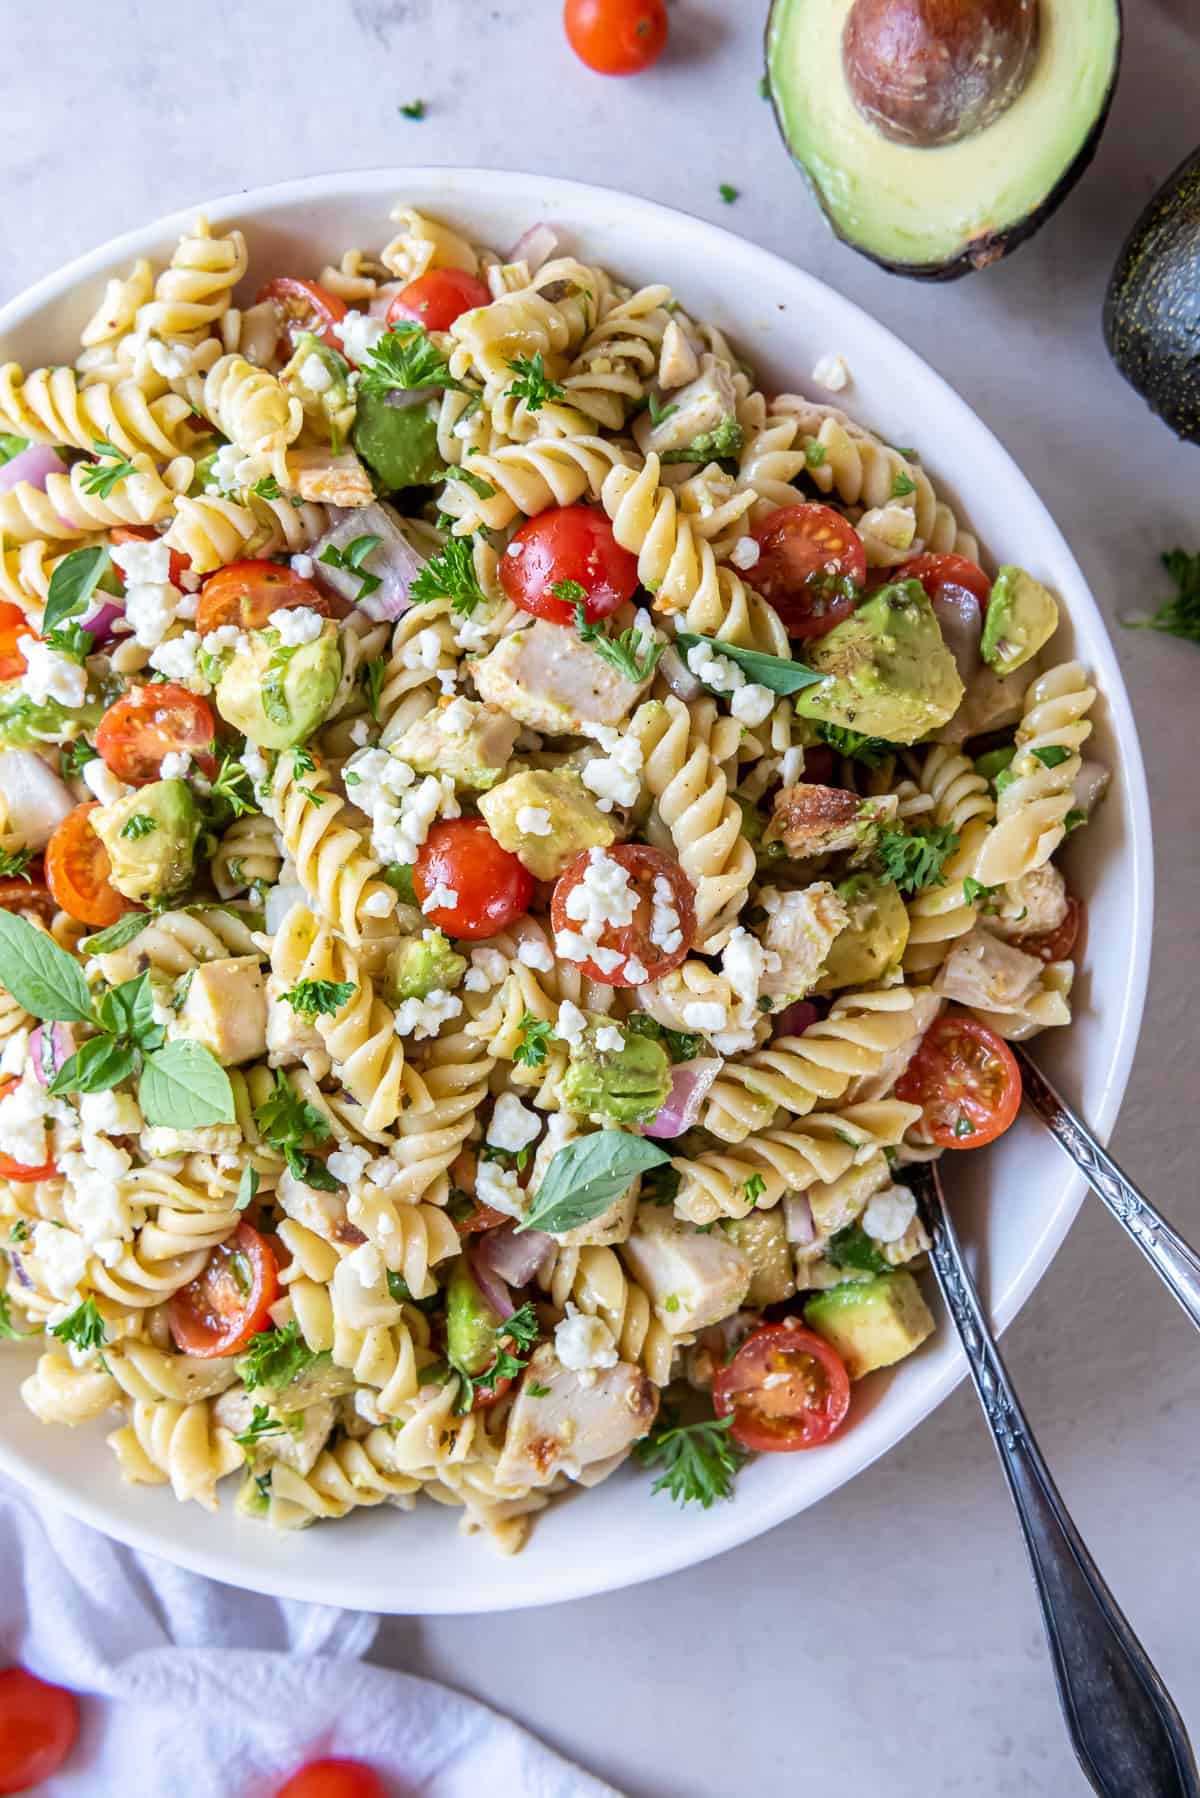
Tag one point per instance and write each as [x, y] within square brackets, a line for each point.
[334, 1779]
[616, 37]
[435, 300]
[38, 1726]
[490, 887]
[568, 544]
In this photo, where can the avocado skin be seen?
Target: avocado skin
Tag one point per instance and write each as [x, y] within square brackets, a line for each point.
[1152, 307]
[981, 252]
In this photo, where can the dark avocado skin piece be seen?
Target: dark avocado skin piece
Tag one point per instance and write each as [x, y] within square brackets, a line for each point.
[982, 251]
[1152, 308]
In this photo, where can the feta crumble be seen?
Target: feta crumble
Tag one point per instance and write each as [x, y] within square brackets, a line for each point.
[583, 1343]
[665, 931]
[297, 625]
[534, 821]
[64, 1259]
[615, 778]
[102, 782]
[440, 898]
[51, 675]
[420, 1018]
[176, 658]
[151, 602]
[705, 1014]
[359, 333]
[832, 373]
[512, 1125]
[745, 553]
[488, 968]
[609, 1038]
[536, 955]
[889, 1213]
[500, 1188]
[174, 765]
[304, 566]
[313, 374]
[571, 1023]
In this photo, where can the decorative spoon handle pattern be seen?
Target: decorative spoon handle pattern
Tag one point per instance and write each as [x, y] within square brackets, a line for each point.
[1174, 1261]
[1123, 1724]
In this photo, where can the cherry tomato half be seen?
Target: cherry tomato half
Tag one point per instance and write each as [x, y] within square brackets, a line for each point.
[146, 533]
[568, 543]
[616, 37]
[435, 300]
[246, 593]
[642, 866]
[966, 1081]
[935, 572]
[491, 887]
[334, 1779]
[806, 553]
[304, 306]
[17, 1170]
[1056, 944]
[78, 871]
[13, 626]
[229, 1300]
[483, 1217]
[786, 1388]
[147, 723]
[38, 1726]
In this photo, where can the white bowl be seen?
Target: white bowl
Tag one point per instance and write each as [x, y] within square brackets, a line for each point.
[1015, 1202]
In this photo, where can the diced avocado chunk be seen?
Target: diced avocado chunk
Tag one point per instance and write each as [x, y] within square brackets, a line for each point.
[24, 723]
[399, 443]
[277, 694]
[628, 1084]
[471, 1324]
[464, 739]
[871, 1323]
[1022, 616]
[575, 820]
[150, 836]
[873, 942]
[762, 1238]
[420, 966]
[886, 671]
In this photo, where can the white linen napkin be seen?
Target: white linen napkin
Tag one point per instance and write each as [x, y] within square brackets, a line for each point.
[189, 1686]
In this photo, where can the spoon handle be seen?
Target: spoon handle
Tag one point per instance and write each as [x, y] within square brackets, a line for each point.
[1123, 1725]
[1174, 1261]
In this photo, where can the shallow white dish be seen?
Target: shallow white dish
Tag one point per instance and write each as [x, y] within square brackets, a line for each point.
[1015, 1203]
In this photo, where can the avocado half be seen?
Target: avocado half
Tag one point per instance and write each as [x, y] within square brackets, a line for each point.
[938, 213]
[1152, 309]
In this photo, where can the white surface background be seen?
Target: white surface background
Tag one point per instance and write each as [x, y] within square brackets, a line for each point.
[887, 1641]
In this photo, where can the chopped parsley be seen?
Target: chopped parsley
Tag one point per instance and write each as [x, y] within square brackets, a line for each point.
[963, 1127]
[632, 654]
[1074, 818]
[233, 786]
[902, 484]
[140, 825]
[681, 1045]
[532, 1049]
[451, 575]
[1053, 755]
[728, 193]
[287, 1122]
[853, 1248]
[83, 1328]
[8, 1329]
[350, 561]
[536, 1390]
[110, 468]
[975, 893]
[14, 864]
[260, 1425]
[659, 413]
[870, 751]
[699, 1461]
[320, 998]
[74, 756]
[479, 487]
[814, 454]
[522, 1331]
[413, 109]
[405, 358]
[753, 1188]
[71, 640]
[275, 1358]
[531, 384]
[267, 488]
[19, 1231]
[1178, 616]
[302, 764]
[914, 862]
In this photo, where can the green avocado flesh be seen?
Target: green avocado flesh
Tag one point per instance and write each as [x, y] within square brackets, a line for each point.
[399, 444]
[1152, 312]
[937, 213]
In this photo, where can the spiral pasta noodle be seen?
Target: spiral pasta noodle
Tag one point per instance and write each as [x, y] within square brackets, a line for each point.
[1032, 808]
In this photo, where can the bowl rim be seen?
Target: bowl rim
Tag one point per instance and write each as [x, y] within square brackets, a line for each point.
[726, 1526]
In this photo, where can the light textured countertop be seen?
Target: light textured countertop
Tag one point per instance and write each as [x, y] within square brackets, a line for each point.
[888, 1640]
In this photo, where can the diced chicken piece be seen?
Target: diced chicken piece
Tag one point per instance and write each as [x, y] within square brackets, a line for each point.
[915, 1241]
[1034, 904]
[926, 1005]
[800, 931]
[612, 1226]
[291, 1038]
[296, 1443]
[990, 702]
[811, 820]
[983, 971]
[339, 480]
[324, 1213]
[579, 1423]
[694, 1277]
[551, 680]
[836, 1203]
[394, 562]
[702, 413]
[160, 1141]
[468, 741]
[225, 1008]
[678, 362]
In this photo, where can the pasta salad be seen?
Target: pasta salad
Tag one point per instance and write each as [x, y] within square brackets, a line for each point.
[511, 839]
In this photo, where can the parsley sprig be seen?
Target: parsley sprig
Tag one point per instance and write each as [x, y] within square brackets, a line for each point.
[233, 787]
[404, 359]
[532, 1049]
[699, 1461]
[1178, 616]
[8, 1329]
[111, 467]
[521, 1330]
[451, 575]
[14, 864]
[83, 1328]
[287, 1123]
[261, 1424]
[632, 653]
[274, 1358]
[913, 861]
[320, 998]
[532, 384]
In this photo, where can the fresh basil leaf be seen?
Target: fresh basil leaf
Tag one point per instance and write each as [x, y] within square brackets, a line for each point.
[774, 672]
[247, 1187]
[40, 976]
[118, 934]
[185, 1087]
[586, 1176]
[73, 582]
[128, 1011]
[100, 1065]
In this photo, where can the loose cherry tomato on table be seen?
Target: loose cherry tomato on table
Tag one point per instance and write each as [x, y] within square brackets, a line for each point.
[807, 554]
[147, 723]
[435, 300]
[490, 886]
[246, 593]
[1056, 944]
[935, 572]
[78, 871]
[568, 543]
[230, 1299]
[616, 37]
[642, 866]
[966, 1081]
[334, 1779]
[13, 626]
[786, 1389]
[303, 306]
[18, 1170]
[145, 533]
[38, 1726]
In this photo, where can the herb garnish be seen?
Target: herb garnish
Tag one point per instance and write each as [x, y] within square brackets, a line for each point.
[406, 358]
[350, 561]
[585, 1176]
[532, 384]
[532, 1049]
[320, 998]
[451, 575]
[633, 653]
[1178, 616]
[111, 467]
[916, 861]
[700, 1461]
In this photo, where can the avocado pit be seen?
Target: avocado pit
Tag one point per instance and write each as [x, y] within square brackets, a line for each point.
[931, 72]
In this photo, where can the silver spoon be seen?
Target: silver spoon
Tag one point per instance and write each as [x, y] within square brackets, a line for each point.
[1123, 1725]
[1174, 1261]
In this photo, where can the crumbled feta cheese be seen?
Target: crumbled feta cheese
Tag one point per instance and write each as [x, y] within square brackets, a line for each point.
[314, 374]
[231, 470]
[440, 898]
[536, 954]
[171, 361]
[534, 821]
[832, 373]
[304, 566]
[359, 334]
[366, 1403]
[752, 704]
[635, 971]
[92, 1197]
[488, 968]
[151, 602]
[582, 1343]
[665, 931]
[889, 1213]
[447, 680]
[791, 766]
[745, 553]
[456, 718]
[512, 1125]
[615, 778]
[704, 1014]
[424, 1017]
[225, 637]
[360, 732]
[604, 895]
[176, 657]
[424, 650]
[64, 1259]
[114, 1113]
[297, 625]
[500, 1188]
[401, 813]
[143, 561]
[571, 1023]
[174, 765]
[51, 675]
[23, 1115]
[101, 781]
[377, 905]
[609, 1038]
[348, 1164]
[14, 1053]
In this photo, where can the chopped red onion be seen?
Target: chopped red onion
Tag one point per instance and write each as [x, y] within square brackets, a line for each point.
[798, 1218]
[49, 1047]
[690, 1080]
[33, 465]
[678, 675]
[535, 246]
[511, 1257]
[102, 620]
[393, 561]
[495, 1292]
[795, 1018]
[961, 621]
